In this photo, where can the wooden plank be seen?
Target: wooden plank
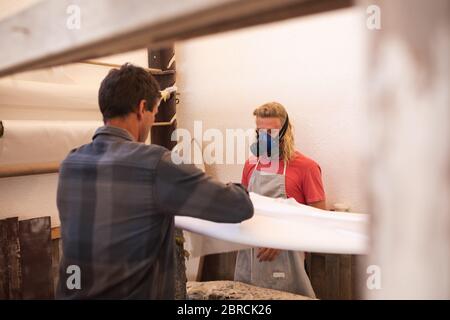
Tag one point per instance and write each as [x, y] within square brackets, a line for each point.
[294, 10]
[13, 258]
[36, 258]
[345, 290]
[56, 258]
[201, 265]
[4, 279]
[332, 276]
[359, 277]
[219, 266]
[318, 275]
[40, 37]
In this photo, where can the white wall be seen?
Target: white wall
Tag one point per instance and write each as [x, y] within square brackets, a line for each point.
[313, 66]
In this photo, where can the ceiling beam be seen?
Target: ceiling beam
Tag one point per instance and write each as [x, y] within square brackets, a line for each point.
[40, 37]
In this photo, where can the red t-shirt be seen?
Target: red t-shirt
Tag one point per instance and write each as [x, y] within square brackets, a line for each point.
[303, 178]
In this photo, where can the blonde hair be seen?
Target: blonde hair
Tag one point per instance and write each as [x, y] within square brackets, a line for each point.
[276, 110]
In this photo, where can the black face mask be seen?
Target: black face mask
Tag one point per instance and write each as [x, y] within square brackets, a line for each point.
[271, 144]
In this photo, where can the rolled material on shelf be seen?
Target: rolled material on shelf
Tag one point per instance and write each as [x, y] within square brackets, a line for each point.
[28, 169]
[21, 93]
[42, 142]
[288, 225]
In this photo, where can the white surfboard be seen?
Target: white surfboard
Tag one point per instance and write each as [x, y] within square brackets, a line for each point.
[288, 225]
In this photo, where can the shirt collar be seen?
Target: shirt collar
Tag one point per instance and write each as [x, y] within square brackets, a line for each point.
[113, 131]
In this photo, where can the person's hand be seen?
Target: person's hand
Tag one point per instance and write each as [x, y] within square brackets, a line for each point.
[267, 254]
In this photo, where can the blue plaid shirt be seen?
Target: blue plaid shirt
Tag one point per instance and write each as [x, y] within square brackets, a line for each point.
[117, 199]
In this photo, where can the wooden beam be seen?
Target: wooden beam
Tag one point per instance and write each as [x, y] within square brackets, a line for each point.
[166, 117]
[164, 59]
[17, 170]
[40, 37]
[153, 71]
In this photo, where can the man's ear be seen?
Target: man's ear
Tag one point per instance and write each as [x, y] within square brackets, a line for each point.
[142, 107]
[156, 107]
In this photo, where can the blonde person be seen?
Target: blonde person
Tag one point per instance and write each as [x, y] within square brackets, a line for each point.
[278, 170]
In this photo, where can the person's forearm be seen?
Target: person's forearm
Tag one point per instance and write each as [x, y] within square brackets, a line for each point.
[231, 205]
[319, 204]
[186, 191]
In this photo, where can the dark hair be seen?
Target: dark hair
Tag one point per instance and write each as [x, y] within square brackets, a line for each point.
[123, 89]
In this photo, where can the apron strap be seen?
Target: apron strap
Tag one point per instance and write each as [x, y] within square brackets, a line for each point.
[284, 169]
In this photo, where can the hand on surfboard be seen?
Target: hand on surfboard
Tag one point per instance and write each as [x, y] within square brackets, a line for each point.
[267, 254]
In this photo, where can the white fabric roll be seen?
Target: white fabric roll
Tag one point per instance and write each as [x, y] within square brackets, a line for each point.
[29, 141]
[20, 93]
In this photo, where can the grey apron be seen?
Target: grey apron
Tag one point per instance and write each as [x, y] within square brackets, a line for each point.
[287, 271]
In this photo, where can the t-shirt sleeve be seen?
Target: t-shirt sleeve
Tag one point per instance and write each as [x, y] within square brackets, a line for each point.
[312, 185]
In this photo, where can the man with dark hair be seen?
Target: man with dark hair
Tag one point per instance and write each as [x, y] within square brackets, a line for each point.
[117, 198]
[123, 89]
